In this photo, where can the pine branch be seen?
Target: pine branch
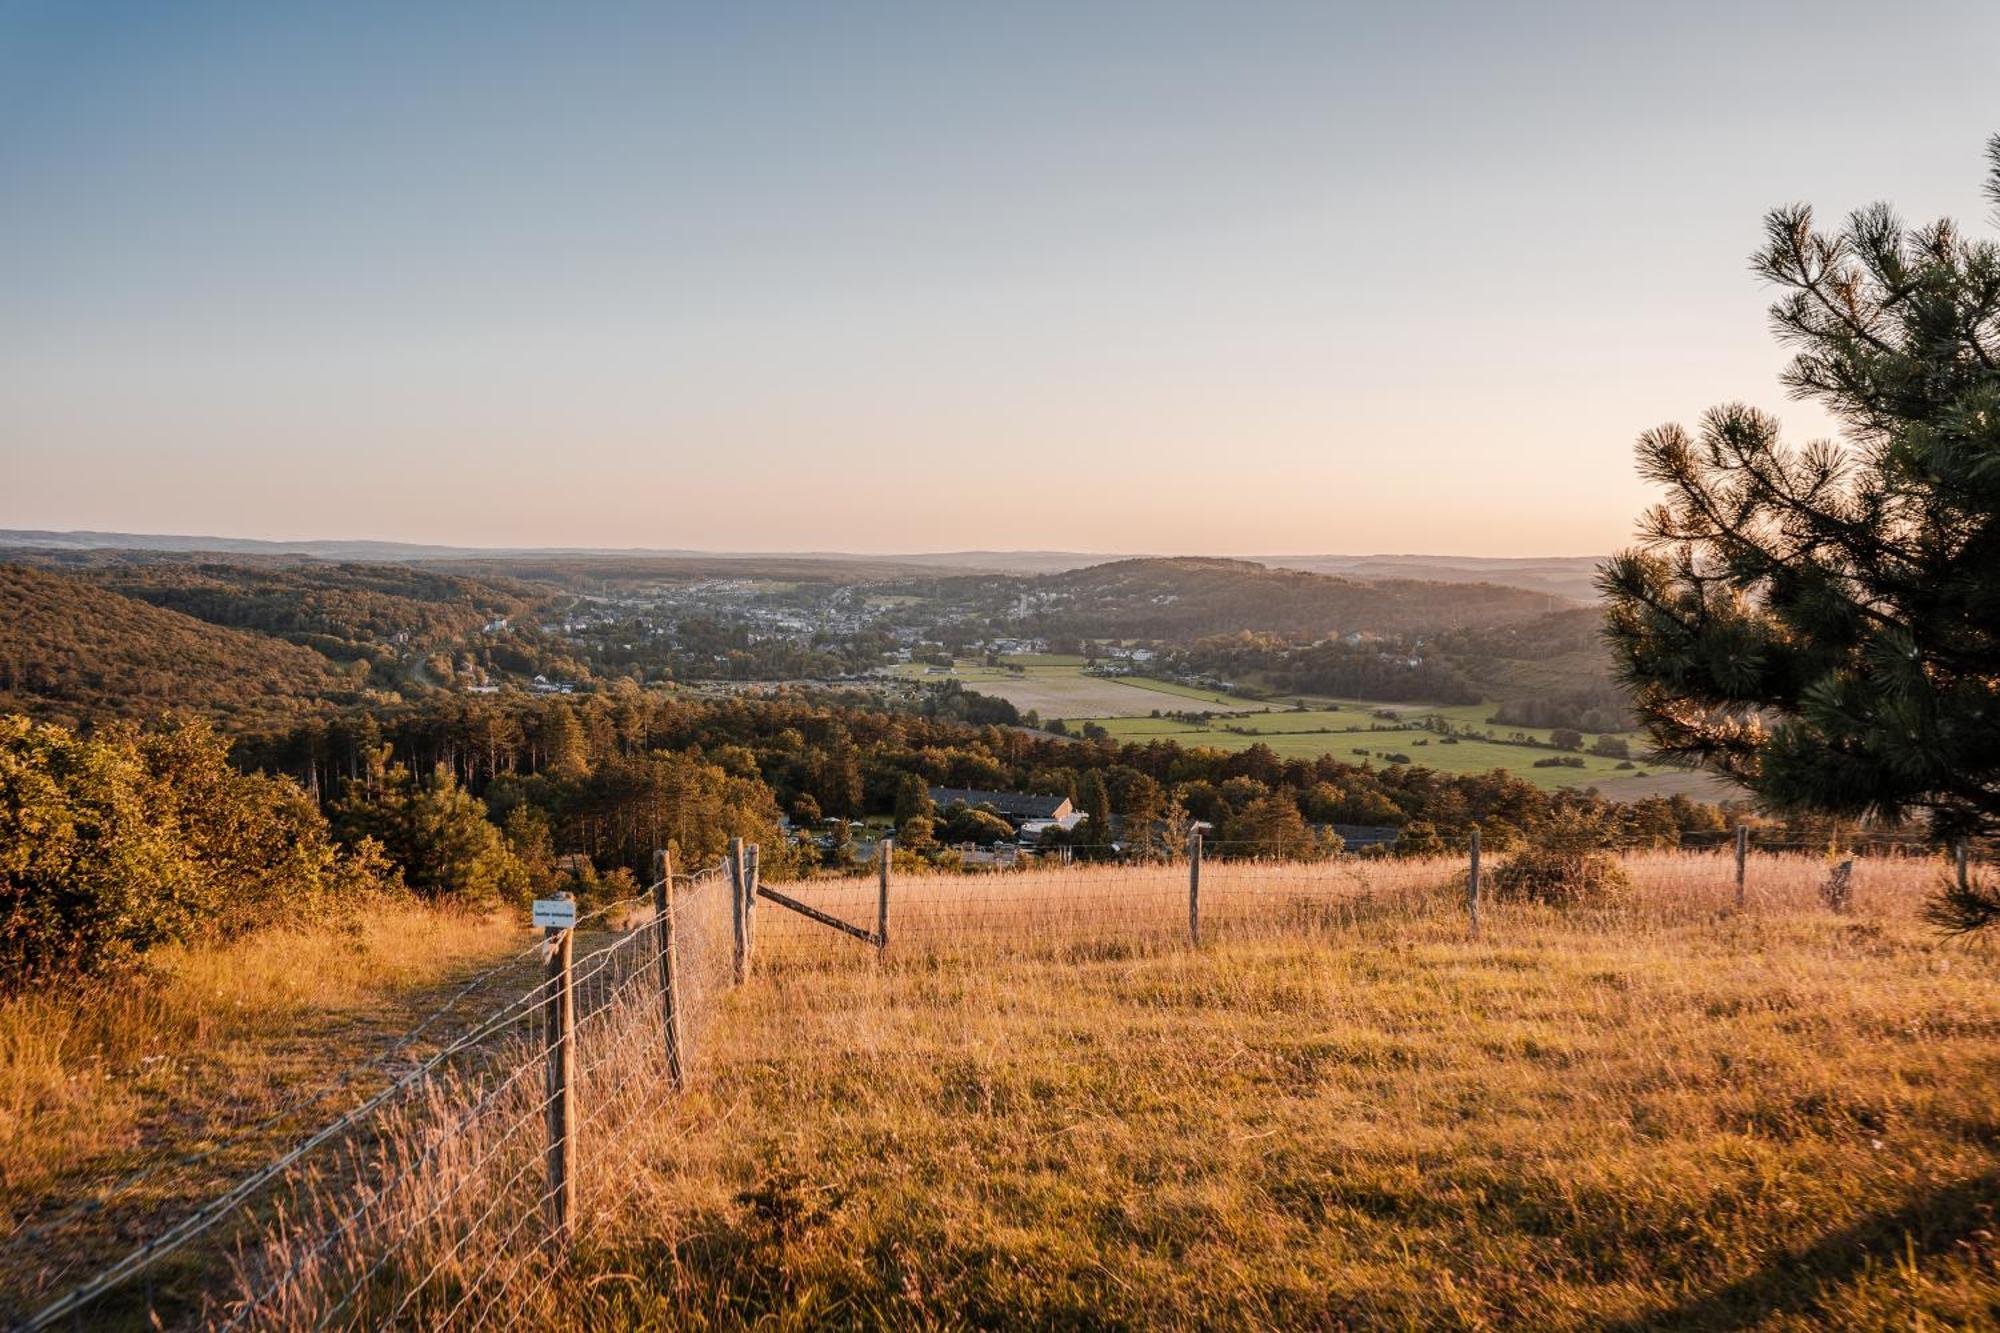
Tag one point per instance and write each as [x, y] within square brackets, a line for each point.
[1960, 909]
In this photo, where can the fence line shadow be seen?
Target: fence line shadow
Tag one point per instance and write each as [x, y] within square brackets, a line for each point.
[1791, 1283]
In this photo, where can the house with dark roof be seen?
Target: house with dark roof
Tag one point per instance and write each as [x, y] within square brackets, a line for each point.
[1016, 807]
[1356, 836]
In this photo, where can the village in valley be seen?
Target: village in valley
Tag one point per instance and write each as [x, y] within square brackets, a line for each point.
[996, 648]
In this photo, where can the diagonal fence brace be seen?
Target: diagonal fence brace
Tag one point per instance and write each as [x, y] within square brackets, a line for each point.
[782, 900]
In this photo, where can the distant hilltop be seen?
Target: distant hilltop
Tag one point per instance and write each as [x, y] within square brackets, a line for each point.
[1570, 577]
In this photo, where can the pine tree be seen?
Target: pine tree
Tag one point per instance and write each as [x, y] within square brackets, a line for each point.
[1821, 622]
[913, 799]
[436, 833]
[564, 751]
[840, 846]
[1097, 806]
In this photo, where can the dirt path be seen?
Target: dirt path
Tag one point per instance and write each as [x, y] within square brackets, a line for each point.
[212, 1113]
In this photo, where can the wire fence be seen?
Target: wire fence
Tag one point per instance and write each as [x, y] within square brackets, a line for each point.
[404, 1204]
[465, 1174]
[1208, 890]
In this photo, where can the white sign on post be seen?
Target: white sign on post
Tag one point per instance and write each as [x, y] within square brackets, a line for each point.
[555, 913]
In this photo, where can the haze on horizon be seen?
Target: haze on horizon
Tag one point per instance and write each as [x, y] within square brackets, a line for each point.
[898, 278]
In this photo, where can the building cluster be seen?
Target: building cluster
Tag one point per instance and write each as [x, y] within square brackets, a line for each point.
[1030, 815]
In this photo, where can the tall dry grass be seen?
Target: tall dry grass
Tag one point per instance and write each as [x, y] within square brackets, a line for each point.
[435, 1214]
[134, 1073]
[1039, 1106]
[1148, 904]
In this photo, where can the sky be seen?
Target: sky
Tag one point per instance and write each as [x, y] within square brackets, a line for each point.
[1175, 278]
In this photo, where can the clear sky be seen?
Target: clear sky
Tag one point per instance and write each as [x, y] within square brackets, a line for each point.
[1152, 277]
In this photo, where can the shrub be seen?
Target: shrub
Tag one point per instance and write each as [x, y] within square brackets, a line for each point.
[114, 843]
[978, 824]
[1564, 862]
[1419, 838]
[1560, 876]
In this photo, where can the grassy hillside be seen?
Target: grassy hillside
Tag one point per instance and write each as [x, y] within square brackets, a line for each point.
[1043, 1109]
[105, 1080]
[71, 648]
[1661, 1115]
[1385, 1127]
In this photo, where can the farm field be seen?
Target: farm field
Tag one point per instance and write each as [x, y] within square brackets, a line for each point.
[1055, 687]
[1346, 735]
[1659, 1115]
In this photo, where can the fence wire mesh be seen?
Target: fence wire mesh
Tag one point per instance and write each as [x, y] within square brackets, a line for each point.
[400, 1207]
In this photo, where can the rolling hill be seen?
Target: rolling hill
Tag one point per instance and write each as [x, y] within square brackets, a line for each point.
[1184, 598]
[341, 609]
[71, 649]
[1569, 578]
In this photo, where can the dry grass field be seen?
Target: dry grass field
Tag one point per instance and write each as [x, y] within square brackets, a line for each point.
[1041, 1108]
[1659, 1114]
[137, 1073]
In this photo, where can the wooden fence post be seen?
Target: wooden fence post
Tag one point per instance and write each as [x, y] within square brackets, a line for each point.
[1742, 862]
[670, 1000]
[558, 1029]
[1472, 881]
[750, 904]
[739, 912]
[1194, 887]
[1959, 855]
[888, 848]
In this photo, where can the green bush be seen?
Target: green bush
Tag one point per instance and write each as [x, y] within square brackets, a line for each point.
[979, 824]
[121, 841]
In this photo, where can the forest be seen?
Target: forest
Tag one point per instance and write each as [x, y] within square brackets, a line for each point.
[1390, 671]
[71, 650]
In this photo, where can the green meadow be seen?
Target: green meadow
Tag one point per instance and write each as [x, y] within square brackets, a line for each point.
[1133, 708]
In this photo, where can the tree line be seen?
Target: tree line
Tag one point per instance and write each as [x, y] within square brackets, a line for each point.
[597, 767]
